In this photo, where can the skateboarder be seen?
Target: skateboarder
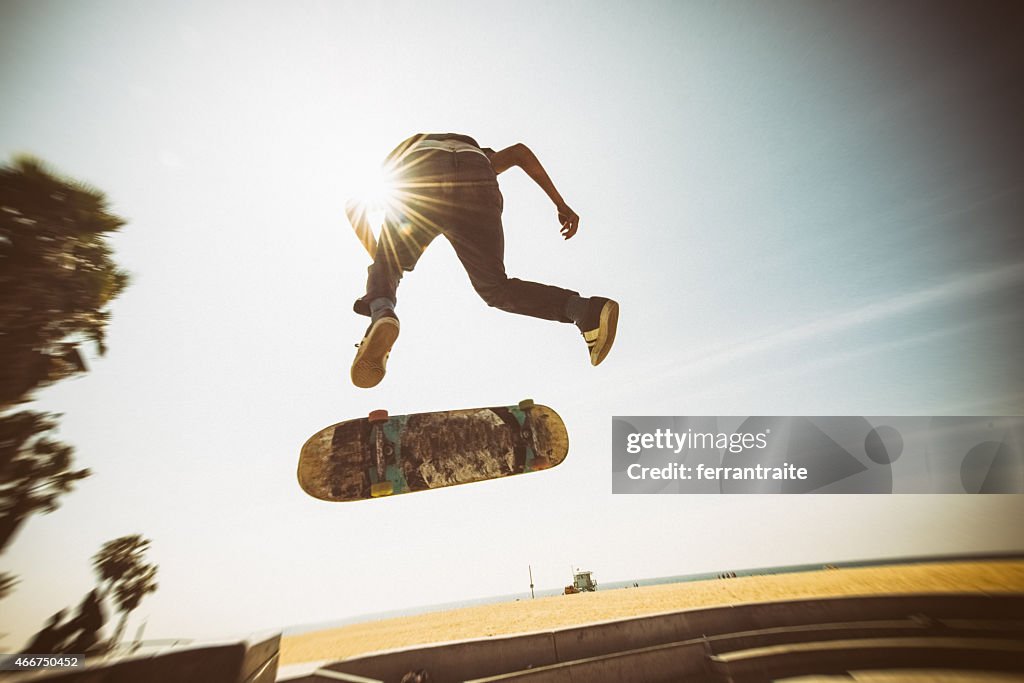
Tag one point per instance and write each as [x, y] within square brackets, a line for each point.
[446, 184]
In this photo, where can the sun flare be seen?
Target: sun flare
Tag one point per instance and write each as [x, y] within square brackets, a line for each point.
[377, 190]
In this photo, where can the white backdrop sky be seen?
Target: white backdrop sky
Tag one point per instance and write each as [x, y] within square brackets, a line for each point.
[760, 188]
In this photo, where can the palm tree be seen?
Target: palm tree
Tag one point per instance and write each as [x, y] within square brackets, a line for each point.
[35, 469]
[7, 582]
[57, 280]
[124, 577]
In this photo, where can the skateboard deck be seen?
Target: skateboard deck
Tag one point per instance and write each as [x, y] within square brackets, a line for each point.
[382, 455]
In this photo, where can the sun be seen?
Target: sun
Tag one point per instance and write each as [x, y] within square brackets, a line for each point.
[376, 191]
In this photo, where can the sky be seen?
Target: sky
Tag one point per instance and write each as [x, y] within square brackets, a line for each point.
[803, 209]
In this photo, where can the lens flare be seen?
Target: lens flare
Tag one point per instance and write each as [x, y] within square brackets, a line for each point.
[377, 191]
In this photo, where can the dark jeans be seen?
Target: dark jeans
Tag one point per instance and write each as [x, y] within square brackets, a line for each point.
[455, 194]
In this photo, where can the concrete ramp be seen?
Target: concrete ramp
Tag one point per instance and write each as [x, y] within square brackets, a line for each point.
[739, 643]
[250, 661]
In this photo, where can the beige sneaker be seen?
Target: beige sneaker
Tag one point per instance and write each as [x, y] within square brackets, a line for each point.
[370, 363]
[599, 327]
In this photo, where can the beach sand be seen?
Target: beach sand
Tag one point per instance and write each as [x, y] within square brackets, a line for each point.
[572, 610]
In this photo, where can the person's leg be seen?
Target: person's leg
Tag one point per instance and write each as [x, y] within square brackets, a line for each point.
[478, 239]
[399, 248]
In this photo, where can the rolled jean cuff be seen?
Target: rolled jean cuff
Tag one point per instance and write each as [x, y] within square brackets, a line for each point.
[362, 307]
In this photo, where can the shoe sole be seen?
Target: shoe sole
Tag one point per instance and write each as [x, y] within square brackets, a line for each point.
[606, 335]
[370, 364]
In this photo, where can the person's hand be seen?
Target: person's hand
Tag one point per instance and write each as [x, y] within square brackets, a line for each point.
[569, 221]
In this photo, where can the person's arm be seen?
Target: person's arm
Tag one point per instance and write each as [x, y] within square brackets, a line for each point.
[521, 156]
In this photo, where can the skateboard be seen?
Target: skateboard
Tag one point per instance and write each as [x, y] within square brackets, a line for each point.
[383, 455]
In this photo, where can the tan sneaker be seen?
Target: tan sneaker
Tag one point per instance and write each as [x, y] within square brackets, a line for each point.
[370, 363]
[599, 326]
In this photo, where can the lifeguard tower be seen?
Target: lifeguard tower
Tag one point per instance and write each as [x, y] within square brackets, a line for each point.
[582, 582]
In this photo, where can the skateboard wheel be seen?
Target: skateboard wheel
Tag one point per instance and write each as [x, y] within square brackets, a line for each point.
[381, 489]
[377, 416]
[526, 404]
